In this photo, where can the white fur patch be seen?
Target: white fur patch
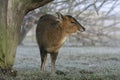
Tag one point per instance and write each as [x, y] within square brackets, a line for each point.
[53, 48]
[75, 33]
[63, 40]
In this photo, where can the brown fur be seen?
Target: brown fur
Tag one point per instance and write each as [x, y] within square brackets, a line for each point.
[51, 33]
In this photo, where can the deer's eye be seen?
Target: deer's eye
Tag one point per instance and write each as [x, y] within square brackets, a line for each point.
[72, 22]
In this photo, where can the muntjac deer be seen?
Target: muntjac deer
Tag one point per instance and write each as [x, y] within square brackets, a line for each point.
[52, 32]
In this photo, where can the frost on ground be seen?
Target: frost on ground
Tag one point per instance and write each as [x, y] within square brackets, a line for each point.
[86, 63]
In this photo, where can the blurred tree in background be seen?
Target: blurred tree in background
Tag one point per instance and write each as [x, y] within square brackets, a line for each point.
[98, 16]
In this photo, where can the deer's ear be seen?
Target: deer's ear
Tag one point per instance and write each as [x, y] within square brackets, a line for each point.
[60, 16]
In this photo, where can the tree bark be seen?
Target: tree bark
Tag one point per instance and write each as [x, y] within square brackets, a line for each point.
[11, 16]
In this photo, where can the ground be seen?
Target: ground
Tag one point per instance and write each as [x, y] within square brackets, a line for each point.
[73, 63]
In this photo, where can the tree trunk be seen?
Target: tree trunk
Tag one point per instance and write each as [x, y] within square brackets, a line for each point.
[11, 16]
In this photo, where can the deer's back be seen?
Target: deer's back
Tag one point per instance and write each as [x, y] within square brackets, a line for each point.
[48, 33]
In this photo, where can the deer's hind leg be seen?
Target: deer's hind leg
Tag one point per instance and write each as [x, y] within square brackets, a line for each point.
[43, 55]
[53, 60]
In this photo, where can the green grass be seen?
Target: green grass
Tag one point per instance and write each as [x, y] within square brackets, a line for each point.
[63, 75]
